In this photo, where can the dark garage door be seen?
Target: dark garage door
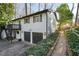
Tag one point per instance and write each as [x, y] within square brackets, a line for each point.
[37, 37]
[27, 36]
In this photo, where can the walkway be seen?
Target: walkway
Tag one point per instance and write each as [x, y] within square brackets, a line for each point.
[60, 49]
[15, 49]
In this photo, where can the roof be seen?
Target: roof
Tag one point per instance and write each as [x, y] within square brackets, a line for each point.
[39, 12]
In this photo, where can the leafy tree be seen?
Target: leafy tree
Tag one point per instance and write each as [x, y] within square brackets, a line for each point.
[65, 15]
[6, 14]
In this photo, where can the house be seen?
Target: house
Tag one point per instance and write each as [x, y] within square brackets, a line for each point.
[32, 26]
[36, 26]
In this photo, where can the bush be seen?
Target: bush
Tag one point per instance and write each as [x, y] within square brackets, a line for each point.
[73, 41]
[43, 46]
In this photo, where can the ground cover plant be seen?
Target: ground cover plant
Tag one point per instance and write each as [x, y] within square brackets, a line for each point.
[43, 46]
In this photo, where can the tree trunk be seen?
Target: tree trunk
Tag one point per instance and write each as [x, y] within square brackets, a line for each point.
[59, 26]
[76, 15]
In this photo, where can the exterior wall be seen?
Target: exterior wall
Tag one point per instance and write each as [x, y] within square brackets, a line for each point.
[39, 27]
[51, 23]
[48, 23]
[35, 27]
[22, 32]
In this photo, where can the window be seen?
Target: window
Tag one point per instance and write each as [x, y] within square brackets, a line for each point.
[27, 20]
[41, 18]
[37, 18]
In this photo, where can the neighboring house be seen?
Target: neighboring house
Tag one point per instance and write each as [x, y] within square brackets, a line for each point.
[36, 26]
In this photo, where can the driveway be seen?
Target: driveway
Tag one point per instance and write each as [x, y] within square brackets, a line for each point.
[14, 49]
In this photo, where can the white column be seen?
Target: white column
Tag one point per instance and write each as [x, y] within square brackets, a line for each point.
[31, 38]
[22, 35]
[44, 35]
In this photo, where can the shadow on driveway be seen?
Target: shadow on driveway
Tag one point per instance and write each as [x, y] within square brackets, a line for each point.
[15, 49]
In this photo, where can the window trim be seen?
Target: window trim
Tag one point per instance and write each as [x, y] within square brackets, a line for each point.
[40, 18]
[26, 19]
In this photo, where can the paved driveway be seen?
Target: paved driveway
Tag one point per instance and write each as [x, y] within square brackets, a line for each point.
[14, 49]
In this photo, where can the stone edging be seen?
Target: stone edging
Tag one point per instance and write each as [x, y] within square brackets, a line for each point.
[52, 48]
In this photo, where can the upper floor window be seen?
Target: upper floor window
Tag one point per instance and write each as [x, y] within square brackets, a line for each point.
[26, 20]
[37, 18]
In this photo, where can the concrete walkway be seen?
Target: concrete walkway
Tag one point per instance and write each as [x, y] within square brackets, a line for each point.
[60, 49]
[15, 49]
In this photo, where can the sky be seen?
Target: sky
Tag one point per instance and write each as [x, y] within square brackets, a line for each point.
[55, 5]
[74, 10]
[35, 7]
[70, 6]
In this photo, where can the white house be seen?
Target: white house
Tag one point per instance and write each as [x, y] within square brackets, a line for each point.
[33, 26]
[36, 26]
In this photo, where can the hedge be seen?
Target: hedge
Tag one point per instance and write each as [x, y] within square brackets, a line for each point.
[43, 46]
[73, 42]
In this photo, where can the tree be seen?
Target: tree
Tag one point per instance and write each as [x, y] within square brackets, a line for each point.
[72, 7]
[6, 14]
[77, 14]
[65, 15]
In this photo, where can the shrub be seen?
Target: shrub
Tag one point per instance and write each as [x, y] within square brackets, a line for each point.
[73, 41]
[43, 46]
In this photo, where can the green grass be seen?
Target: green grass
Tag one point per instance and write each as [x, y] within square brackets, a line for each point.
[42, 47]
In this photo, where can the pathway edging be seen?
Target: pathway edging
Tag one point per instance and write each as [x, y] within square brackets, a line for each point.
[52, 48]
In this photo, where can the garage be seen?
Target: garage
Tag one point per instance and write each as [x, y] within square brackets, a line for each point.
[27, 36]
[37, 37]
